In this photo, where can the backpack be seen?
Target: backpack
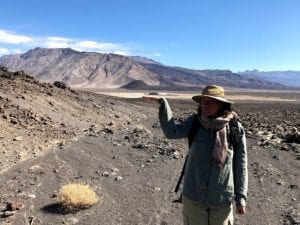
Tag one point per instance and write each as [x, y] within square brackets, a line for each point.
[232, 137]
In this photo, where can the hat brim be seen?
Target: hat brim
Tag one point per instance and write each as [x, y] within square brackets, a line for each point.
[197, 98]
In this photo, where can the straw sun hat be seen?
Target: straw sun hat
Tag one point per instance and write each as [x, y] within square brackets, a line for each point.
[212, 91]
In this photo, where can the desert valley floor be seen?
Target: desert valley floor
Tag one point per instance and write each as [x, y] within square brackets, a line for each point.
[51, 136]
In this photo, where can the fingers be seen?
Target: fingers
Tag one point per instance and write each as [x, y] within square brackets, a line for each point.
[240, 210]
[153, 98]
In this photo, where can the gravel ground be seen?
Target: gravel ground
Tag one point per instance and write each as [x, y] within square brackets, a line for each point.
[51, 136]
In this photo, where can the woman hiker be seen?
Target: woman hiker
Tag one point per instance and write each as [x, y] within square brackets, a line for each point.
[216, 171]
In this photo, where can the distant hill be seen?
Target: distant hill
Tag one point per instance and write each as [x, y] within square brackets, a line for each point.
[288, 78]
[96, 70]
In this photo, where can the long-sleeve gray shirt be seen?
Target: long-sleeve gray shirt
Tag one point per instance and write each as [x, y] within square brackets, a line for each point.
[205, 182]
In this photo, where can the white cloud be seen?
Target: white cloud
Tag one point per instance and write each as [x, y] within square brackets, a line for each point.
[59, 39]
[57, 42]
[120, 52]
[17, 43]
[79, 45]
[102, 47]
[4, 51]
[95, 45]
[11, 38]
[54, 44]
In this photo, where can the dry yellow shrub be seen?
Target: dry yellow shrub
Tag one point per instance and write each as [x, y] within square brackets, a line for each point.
[77, 196]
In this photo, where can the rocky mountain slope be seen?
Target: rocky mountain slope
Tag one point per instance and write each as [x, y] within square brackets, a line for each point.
[51, 135]
[288, 78]
[80, 69]
[37, 116]
[95, 70]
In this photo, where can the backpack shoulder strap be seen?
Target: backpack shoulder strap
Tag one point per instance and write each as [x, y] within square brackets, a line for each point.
[233, 133]
[194, 129]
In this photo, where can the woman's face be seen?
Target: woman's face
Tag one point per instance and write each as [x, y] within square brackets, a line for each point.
[209, 106]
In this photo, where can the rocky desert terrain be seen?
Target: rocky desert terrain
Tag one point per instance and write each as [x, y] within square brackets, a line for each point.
[51, 135]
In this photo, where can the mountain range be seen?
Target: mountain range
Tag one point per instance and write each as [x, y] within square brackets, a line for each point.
[97, 70]
[288, 78]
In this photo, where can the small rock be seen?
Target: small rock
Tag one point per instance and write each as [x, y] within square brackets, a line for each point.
[105, 174]
[18, 138]
[31, 196]
[293, 186]
[176, 155]
[13, 121]
[73, 220]
[13, 206]
[7, 213]
[114, 170]
[118, 178]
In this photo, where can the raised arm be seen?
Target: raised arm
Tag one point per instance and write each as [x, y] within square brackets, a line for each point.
[169, 127]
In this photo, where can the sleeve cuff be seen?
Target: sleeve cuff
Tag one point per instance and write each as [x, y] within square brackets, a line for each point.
[240, 200]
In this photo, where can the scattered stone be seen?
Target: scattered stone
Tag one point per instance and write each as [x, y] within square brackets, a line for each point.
[60, 84]
[31, 196]
[114, 170]
[7, 213]
[105, 174]
[293, 186]
[119, 178]
[18, 138]
[13, 206]
[176, 155]
[73, 220]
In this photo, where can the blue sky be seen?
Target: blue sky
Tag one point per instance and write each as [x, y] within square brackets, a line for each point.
[199, 34]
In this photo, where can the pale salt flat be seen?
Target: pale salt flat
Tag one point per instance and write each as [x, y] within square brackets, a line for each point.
[175, 95]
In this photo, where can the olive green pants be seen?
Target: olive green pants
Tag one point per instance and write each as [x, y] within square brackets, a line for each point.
[195, 213]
